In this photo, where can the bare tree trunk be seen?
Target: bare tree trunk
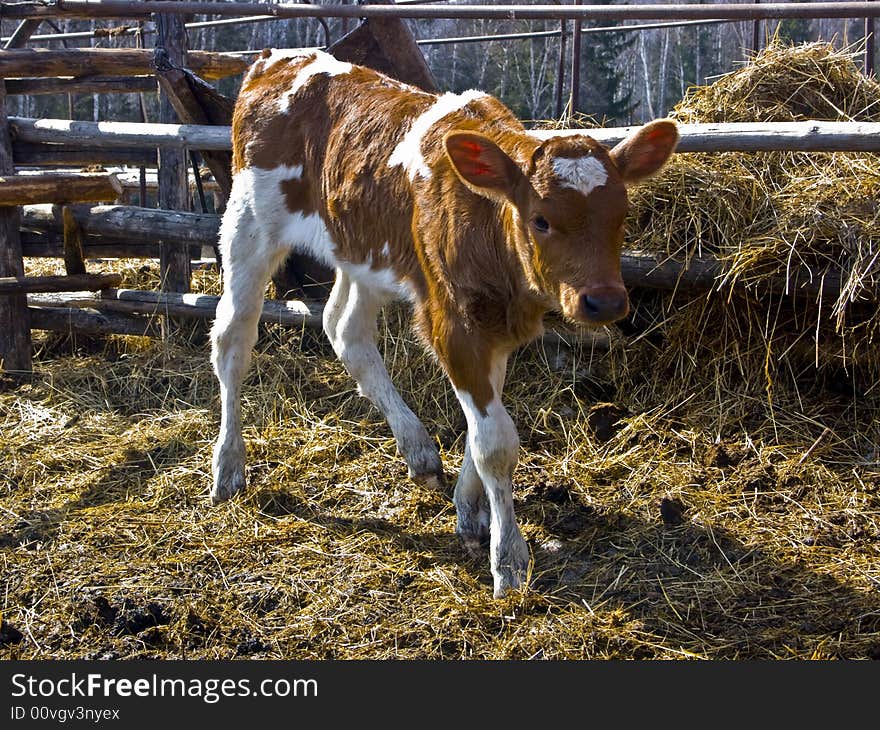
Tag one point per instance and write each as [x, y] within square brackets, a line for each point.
[664, 68]
[643, 54]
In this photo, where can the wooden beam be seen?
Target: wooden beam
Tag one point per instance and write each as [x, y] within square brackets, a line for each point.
[22, 33]
[70, 187]
[139, 225]
[42, 62]
[74, 257]
[753, 136]
[174, 265]
[78, 321]
[195, 102]
[121, 134]
[51, 245]
[35, 154]
[15, 331]
[729, 137]
[81, 85]
[192, 306]
[653, 271]
[79, 282]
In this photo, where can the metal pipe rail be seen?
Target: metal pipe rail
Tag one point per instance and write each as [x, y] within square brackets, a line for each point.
[723, 11]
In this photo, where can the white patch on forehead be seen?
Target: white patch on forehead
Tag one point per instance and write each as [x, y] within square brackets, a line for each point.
[324, 63]
[583, 174]
[408, 152]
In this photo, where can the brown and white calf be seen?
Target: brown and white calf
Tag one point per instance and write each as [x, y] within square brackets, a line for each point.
[444, 201]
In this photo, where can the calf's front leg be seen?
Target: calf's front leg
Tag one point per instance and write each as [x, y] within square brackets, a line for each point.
[493, 451]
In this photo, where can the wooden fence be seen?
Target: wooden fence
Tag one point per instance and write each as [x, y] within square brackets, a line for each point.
[51, 209]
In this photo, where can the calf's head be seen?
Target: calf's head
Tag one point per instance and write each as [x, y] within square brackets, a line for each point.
[567, 198]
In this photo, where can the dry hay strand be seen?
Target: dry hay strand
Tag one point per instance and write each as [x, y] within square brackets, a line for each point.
[767, 216]
[667, 514]
[650, 540]
[784, 83]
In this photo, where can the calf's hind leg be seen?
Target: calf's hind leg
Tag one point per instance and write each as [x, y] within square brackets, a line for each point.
[350, 324]
[248, 262]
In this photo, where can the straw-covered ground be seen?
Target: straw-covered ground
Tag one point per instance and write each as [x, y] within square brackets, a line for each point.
[707, 486]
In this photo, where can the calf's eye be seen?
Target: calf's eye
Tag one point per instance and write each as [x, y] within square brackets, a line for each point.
[541, 225]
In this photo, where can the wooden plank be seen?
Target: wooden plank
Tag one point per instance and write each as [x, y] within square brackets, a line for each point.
[174, 264]
[733, 137]
[15, 333]
[140, 225]
[78, 321]
[121, 134]
[79, 282]
[386, 45]
[42, 62]
[74, 257]
[197, 103]
[70, 187]
[81, 85]
[130, 180]
[51, 245]
[22, 33]
[34, 154]
[653, 271]
[192, 306]
[753, 136]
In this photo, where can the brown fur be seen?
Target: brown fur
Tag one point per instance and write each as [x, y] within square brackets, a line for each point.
[482, 278]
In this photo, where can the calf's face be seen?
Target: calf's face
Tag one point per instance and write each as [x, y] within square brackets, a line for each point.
[569, 203]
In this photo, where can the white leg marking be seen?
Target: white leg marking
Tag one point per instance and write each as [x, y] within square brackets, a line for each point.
[248, 261]
[494, 449]
[471, 507]
[351, 327]
[408, 152]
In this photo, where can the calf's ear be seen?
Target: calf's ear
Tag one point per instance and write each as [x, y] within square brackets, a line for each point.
[646, 150]
[482, 165]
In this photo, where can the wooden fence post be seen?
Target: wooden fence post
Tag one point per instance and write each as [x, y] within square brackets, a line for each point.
[174, 261]
[15, 326]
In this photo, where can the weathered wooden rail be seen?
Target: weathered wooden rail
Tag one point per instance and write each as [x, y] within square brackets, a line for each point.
[723, 137]
[78, 229]
[40, 62]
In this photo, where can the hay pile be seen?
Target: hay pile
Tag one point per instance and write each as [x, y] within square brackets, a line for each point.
[675, 506]
[772, 217]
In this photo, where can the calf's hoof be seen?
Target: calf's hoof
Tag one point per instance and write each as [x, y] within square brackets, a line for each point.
[472, 528]
[424, 467]
[227, 485]
[510, 570]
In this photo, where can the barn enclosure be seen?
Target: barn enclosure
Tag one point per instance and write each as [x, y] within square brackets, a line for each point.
[701, 481]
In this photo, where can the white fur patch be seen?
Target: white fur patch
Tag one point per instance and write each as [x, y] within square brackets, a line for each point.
[408, 152]
[324, 63]
[386, 249]
[282, 54]
[263, 191]
[584, 174]
[381, 280]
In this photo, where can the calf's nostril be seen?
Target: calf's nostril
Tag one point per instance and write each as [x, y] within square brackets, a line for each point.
[590, 305]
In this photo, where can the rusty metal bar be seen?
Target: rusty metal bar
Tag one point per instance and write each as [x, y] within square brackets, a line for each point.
[142, 8]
